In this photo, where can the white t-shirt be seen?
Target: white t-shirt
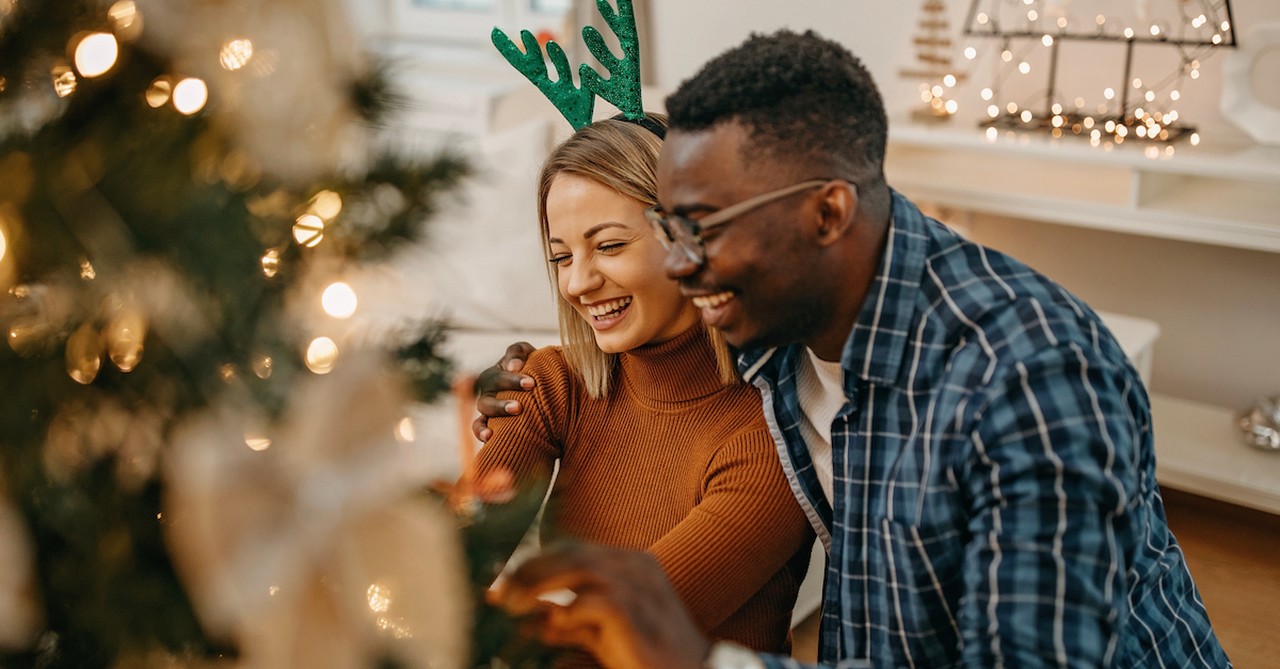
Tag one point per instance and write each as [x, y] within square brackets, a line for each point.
[821, 397]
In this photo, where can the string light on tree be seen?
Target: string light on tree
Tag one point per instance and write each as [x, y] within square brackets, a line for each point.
[190, 95]
[95, 54]
[339, 300]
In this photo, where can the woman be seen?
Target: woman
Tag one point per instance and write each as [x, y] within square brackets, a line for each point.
[660, 445]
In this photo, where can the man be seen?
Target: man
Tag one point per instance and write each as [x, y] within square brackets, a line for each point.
[968, 439]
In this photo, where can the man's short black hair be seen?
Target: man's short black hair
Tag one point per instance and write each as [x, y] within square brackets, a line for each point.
[802, 98]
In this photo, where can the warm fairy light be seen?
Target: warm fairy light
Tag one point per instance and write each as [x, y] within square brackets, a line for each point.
[949, 80]
[1088, 122]
[125, 336]
[4, 244]
[236, 54]
[1110, 126]
[1095, 134]
[326, 204]
[1024, 67]
[1137, 83]
[1122, 131]
[271, 263]
[379, 598]
[64, 80]
[87, 272]
[1140, 131]
[1079, 103]
[262, 367]
[339, 300]
[1226, 26]
[1012, 107]
[1058, 121]
[322, 355]
[1026, 116]
[405, 433]
[1155, 30]
[1194, 74]
[1139, 112]
[925, 95]
[992, 134]
[1150, 96]
[257, 442]
[125, 19]
[1033, 15]
[987, 93]
[1216, 39]
[1006, 56]
[993, 111]
[1109, 94]
[1151, 152]
[1056, 108]
[158, 93]
[1195, 139]
[1168, 151]
[308, 230]
[1198, 21]
[1174, 95]
[84, 354]
[95, 54]
[970, 52]
[190, 95]
[1172, 116]
[983, 18]
[1100, 20]
[1062, 22]
[937, 91]
[1047, 40]
[952, 106]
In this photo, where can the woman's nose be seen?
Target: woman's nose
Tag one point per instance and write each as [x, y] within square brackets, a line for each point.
[583, 278]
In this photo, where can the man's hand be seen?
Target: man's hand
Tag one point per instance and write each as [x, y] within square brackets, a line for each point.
[502, 376]
[625, 611]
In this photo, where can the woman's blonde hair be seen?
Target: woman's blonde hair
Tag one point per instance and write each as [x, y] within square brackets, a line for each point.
[622, 156]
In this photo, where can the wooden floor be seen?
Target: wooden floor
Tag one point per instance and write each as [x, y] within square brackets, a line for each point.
[1234, 556]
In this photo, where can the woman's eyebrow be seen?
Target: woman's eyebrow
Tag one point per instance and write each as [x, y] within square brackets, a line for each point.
[593, 230]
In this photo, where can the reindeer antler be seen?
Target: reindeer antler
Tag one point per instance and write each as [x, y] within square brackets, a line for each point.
[575, 103]
[623, 86]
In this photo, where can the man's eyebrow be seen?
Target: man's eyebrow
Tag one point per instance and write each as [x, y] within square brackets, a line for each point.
[686, 209]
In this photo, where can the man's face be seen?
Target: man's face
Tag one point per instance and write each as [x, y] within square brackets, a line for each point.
[756, 285]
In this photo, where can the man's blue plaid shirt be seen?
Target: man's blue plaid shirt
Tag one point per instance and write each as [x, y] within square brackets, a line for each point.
[995, 494]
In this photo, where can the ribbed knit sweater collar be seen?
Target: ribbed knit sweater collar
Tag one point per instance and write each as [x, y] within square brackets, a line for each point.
[678, 370]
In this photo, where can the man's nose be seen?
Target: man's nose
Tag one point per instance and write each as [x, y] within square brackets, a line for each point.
[677, 264]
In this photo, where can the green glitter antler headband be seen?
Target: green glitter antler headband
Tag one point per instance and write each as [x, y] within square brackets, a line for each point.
[622, 88]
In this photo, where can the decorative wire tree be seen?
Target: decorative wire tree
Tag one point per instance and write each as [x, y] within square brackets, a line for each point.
[1199, 26]
[934, 65]
[205, 460]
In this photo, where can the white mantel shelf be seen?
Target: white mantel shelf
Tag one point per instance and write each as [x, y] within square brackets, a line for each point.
[1215, 193]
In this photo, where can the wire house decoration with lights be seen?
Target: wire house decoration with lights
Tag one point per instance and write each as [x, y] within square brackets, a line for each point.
[1158, 49]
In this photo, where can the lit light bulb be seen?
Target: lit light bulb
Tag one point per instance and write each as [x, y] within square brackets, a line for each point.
[970, 52]
[949, 81]
[1141, 131]
[125, 336]
[4, 244]
[1047, 40]
[1062, 22]
[952, 106]
[1024, 67]
[1155, 30]
[405, 433]
[257, 442]
[1056, 108]
[1226, 25]
[190, 95]
[322, 355]
[1150, 96]
[125, 20]
[1088, 122]
[987, 93]
[84, 354]
[937, 91]
[1195, 139]
[326, 204]
[1195, 74]
[1026, 116]
[1109, 94]
[1216, 39]
[1012, 107]
[1151, 152]
[96, 54]
[64, 80]
[271, 263]
[1006, 56]
[236, 54]
[1058, 121]
[1100, 20]
[1033, 15]
[992, 134]
[925, 95]
[308, 230]
[159, 92]
[1137, 83]
[1128, 33]
[339, 300]
[262, 367]
[983, 18]
[993, 111]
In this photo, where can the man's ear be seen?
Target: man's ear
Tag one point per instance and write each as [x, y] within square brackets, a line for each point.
[837, 205]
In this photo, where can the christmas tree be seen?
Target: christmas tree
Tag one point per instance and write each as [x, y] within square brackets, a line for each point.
[202, 447]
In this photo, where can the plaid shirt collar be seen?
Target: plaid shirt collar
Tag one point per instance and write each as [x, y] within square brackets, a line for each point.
[878, 343]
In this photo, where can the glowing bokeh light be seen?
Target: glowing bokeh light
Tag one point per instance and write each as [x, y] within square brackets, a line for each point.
[96, 54]
[322, 355]
[236, 54]
[64, 80]
[339, 300]
[190, 95]
[158, 93]
[308, 230]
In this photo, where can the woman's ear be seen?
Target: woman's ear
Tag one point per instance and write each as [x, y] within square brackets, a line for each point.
[837, 205]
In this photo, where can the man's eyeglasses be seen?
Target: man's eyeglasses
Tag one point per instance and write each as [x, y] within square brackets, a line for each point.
[686, 233]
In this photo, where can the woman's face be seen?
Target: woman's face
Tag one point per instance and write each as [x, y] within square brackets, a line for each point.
[608, 265]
